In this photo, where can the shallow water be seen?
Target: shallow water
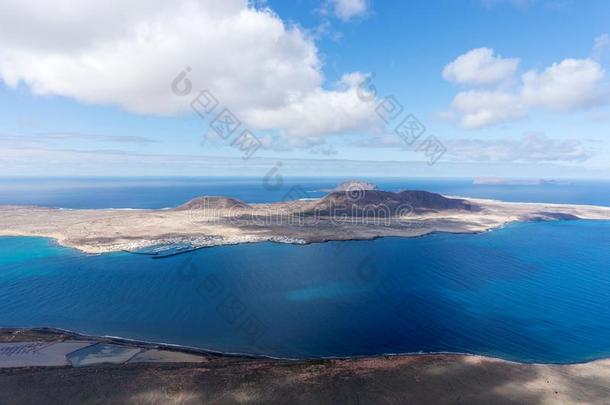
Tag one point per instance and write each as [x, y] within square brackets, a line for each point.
[530, 292]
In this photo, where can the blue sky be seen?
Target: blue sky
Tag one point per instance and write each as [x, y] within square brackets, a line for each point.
[507, 88]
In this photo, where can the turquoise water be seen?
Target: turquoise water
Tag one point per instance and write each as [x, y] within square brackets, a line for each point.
[530, 292]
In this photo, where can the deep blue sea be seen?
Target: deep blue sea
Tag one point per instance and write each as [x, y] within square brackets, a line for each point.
[170, 192]
[537, 292]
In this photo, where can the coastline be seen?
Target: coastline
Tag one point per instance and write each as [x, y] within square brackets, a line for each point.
[65, 334]
[112, 284]
[103, 231]
[153, 373]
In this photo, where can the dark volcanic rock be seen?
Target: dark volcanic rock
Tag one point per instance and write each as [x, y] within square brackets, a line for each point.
[212, 202]
[385, 203]
[432, 201]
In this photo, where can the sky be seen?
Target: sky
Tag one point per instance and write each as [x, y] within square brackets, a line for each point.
[444, 88]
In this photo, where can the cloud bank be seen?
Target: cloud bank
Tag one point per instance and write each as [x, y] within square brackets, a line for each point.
[480, 66]
[498, 96]
[532, 147]
[127, 55]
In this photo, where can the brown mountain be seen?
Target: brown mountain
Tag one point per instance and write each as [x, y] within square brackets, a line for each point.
[213, 202]
[386, 203]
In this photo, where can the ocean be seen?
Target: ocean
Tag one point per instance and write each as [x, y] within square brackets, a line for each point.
[534, 292]
[170, 192]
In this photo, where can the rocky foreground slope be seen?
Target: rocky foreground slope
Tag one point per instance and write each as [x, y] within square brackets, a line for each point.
[171, 377]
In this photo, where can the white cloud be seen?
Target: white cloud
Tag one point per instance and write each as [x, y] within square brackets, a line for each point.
[480, 66]
[532, 147]
[349, 9]
[483, 108]
[568, 86]
[127, 55]
[601, 47]
[320, 112]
